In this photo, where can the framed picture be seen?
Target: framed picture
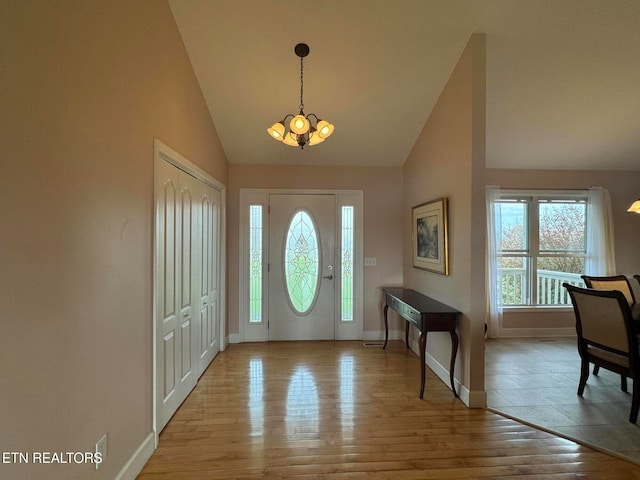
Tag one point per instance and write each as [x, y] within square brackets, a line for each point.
[430, 236]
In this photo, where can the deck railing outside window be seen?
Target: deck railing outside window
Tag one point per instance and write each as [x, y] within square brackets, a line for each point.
[549, 286]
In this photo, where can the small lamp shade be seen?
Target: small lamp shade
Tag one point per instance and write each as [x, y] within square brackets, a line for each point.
[635, 207]
[315, 139]
[291, 140]
[299, 124]
[324, 129]
[277, 131]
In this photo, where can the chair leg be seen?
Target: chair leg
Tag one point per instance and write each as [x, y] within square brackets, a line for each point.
[584, 375]
[596, 369]
[623, 383]
[635, 400]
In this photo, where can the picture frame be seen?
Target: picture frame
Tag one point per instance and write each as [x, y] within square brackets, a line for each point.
[430, 225]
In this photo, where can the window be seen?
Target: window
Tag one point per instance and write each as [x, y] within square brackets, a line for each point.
[301, 262]
[346, 265]
[541, 243]
[255, 263]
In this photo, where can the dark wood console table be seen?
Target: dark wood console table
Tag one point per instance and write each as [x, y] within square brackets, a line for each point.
[427, 315]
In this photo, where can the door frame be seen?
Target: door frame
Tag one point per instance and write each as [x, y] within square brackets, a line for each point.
[255, 196]
[164, 153]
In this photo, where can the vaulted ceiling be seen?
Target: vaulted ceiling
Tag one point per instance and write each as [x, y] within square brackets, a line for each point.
[563, 76]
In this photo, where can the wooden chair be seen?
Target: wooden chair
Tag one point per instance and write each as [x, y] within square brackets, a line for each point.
[612, 282]
[606, 337]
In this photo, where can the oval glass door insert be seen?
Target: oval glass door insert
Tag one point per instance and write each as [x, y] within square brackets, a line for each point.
[301, 262]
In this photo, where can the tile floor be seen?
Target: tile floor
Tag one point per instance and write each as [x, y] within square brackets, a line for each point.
[535, 380]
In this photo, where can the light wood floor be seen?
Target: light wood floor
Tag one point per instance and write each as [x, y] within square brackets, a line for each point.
[339, 410]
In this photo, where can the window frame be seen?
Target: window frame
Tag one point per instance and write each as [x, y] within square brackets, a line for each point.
[532, 253]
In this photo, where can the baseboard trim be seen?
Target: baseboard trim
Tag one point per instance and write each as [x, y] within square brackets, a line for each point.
[474, 399]
[536, 332]
[139, 459]
[235, 338]
[378, 335]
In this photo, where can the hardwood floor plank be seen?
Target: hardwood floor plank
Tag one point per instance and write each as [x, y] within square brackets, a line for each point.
[338, 410]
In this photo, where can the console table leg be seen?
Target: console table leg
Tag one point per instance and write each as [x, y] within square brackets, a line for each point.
[406, 334]
[422, 345]
[454, 351]
[386, 327]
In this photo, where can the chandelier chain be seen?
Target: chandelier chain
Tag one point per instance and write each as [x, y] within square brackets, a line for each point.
[301, 85]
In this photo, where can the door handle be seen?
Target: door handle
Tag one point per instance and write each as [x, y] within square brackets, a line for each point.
[328, 277]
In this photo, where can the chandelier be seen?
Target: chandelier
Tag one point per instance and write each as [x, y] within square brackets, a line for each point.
[303, 129]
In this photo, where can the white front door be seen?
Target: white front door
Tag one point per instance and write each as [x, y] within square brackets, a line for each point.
[301, 267]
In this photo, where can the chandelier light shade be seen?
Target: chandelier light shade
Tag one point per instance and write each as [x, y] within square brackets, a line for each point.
[635, 207]
[301, 129]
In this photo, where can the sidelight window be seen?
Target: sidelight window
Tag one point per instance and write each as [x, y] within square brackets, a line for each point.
[346, 265]
[255, 263]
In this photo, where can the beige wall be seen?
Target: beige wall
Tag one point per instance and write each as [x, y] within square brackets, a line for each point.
[448, 161]
[85, 88]
[382, 187]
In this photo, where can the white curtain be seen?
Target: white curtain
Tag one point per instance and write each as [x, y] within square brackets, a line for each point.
[601, 258]
[494, 293]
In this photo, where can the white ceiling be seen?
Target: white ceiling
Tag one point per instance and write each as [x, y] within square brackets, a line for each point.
[563, 76]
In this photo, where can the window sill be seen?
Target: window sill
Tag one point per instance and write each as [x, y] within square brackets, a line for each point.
[538, 308]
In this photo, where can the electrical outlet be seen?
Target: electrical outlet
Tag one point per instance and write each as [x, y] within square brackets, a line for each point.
[369, 261]
[101, 448]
